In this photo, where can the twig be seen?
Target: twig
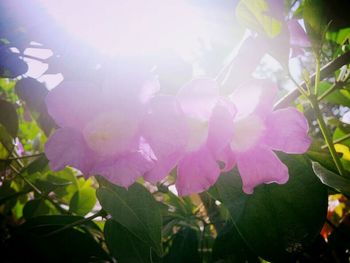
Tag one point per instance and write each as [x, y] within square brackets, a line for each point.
[339, 140]
[22, 157]
[326, 71]
[76, 223]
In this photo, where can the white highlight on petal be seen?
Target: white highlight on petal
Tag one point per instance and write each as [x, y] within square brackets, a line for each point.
[247, 132]
[110, 133]
[246, 100]
[198, 134]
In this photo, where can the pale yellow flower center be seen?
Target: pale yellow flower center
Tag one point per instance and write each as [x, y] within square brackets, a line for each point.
[110, 133]
[247, 132]
[198, 133]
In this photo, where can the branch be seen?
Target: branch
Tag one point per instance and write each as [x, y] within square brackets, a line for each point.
[326, 71]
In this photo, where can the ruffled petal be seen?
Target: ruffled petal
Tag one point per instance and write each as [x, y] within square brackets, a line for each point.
[196, 172]
[260, 166]
[228, 159]
[276, 9]
[68, 147]
[287, 131]
[198, 98]
[220, 130]
[124, 170]
[161, 168]
[254, 97]
[165, 129]
[247, 58]
[73, 104]
[297, 34]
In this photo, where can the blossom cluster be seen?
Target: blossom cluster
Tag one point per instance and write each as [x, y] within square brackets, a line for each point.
[125, 129]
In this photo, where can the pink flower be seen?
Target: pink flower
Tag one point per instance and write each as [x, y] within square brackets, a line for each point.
[189, 131]
[298, 38]
[100, 128]
[258, 130]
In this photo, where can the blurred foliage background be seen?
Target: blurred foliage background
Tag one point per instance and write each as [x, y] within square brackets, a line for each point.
[48, 216]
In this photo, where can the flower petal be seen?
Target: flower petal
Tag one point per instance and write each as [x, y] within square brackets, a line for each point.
[254, 97]
[247, 58]
[198, 98]
[220, 130]
[196, 172]
[162, 167]
[124, 170]
[297, 34]
[227, 156]
[260, 166]
[165, 129]
[72, 104]
[68, 147]
[276, 9]
[287, 131]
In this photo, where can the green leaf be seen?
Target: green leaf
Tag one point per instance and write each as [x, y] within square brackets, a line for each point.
[33, 93]
[252, 14]
[36, 207]
[331, 179]
[277, 220]
[229, 246]
[125, 246]
[323, 157]
[339, 96]
[83, 201]
[42, 224]
[6, 143]
[69, 245]
[315, 19]
[38, 165]
[8, 117]
[4, 154]
[135, 209]
[339, 37]
[184, 247]
[340, 132]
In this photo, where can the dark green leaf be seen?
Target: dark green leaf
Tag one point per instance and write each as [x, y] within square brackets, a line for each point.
[41, 224]
[33, 93]
[8, 117]
[229, 247]
[38, 165]
[69, 245]
[331, 179]
[125, 246]
[314, 14]
[131, 208]
[36, 207]
[83, 201]
[277, 220]
[184, 247]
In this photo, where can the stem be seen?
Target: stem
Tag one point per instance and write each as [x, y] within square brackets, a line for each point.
[326, 71]
[317, 75]
[78, 222]
[300, 88]
[22, 157]
[326, 135]
[38, 191]
[339, 83]
[26, 180]
[202, 241]
[339, 140]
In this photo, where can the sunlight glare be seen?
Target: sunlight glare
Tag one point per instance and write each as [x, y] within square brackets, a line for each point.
[130, 27]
